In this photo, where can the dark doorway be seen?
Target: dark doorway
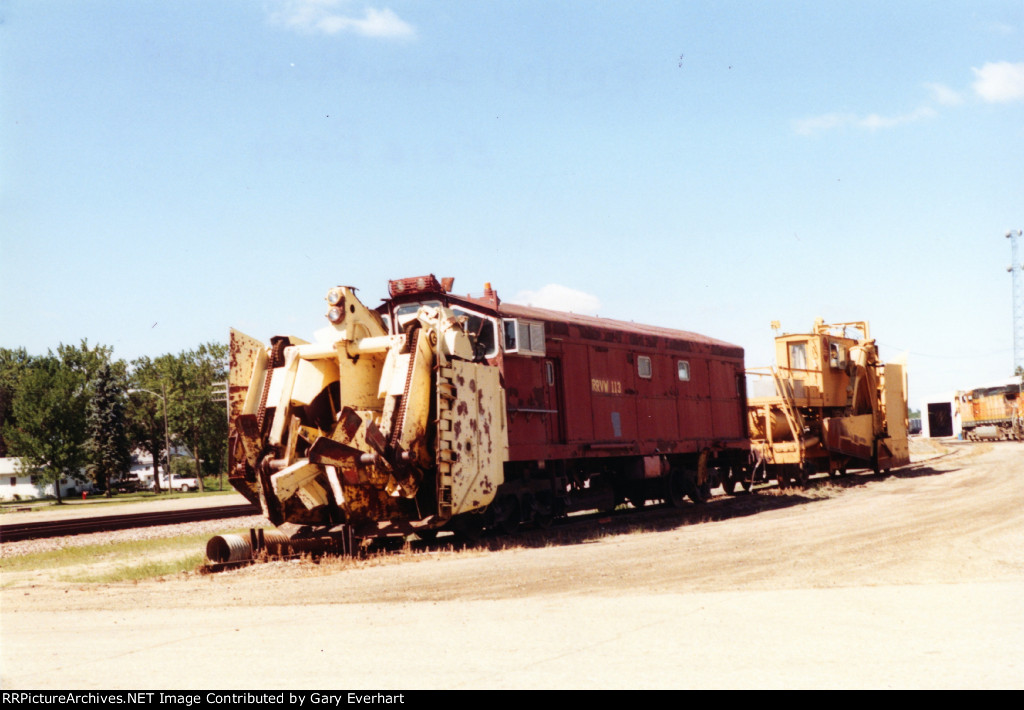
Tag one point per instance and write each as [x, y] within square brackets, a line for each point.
[940, 419]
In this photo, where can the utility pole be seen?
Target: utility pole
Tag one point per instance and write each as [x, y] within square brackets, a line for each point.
[167, 437]
[1016, 270]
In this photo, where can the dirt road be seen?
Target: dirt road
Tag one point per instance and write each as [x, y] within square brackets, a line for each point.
[915, 580]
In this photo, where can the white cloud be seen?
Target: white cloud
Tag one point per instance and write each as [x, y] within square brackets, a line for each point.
[1000, 81]
[332, 17]
[559, 298]
[872, 122]
[996, 82]
[1001, 28]
[944, 95]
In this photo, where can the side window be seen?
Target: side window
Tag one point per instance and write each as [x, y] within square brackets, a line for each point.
[524, 337]
[836, 355]
[510, 336]
[798, 356]
[643, 367]
[683, 368]
[404, 314]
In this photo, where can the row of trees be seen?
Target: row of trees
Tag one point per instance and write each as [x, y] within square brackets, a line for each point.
[77, 413]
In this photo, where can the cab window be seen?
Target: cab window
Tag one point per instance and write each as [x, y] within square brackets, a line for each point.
[481, 330]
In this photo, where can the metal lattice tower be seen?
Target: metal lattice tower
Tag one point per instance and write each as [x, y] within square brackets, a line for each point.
[1016, 270]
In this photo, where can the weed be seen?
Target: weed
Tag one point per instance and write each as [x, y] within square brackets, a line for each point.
[106, 553]
[144, 570]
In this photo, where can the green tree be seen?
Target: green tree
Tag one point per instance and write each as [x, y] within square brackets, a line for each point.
[86, 361]
[48, 412]
[107, 448]
[200, 422]
[13, 365]
[48, 409]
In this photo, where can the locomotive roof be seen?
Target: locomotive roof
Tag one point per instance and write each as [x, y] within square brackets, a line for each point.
[594, 327]
[514, 310]
[591, 327]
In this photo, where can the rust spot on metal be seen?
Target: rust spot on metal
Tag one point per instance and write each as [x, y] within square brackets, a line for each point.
[349, 421]
[374, 437]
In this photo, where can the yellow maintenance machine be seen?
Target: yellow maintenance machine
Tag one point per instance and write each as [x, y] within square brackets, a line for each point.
[830, 404]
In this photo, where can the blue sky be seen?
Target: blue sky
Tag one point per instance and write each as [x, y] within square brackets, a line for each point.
[171, 169]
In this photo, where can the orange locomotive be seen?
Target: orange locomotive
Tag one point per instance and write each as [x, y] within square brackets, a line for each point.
[992, 412]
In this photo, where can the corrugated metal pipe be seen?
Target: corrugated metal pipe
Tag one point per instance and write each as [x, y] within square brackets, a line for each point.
[239, 548]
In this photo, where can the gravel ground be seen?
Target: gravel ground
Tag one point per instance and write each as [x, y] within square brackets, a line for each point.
[922, 449]
[911, 580]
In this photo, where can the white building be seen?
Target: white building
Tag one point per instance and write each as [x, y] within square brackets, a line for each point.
[142, 468]
[16, 485]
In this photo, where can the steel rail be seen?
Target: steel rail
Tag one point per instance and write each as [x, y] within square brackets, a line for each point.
[76, 526]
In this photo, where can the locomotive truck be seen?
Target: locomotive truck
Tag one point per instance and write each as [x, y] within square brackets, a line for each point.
[437, 411]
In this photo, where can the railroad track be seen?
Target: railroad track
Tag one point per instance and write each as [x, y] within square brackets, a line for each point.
[77, 526]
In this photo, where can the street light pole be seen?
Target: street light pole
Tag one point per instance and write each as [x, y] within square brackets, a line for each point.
[167, 434]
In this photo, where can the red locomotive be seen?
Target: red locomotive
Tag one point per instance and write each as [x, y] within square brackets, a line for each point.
[436, 411]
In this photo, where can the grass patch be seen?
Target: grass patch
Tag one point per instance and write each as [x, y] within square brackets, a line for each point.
[110, 553]
[144, 570]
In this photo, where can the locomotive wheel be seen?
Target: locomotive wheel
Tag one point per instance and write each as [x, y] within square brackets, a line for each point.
[468, 528]
[703, 492]
[782, 476]
[634, 493]
[543, 520]
[543, 512]
[729, 481]
[509, 521]
[736, 476]
[729, 486]
[675, 484]
[801, 474]
[682, 485]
